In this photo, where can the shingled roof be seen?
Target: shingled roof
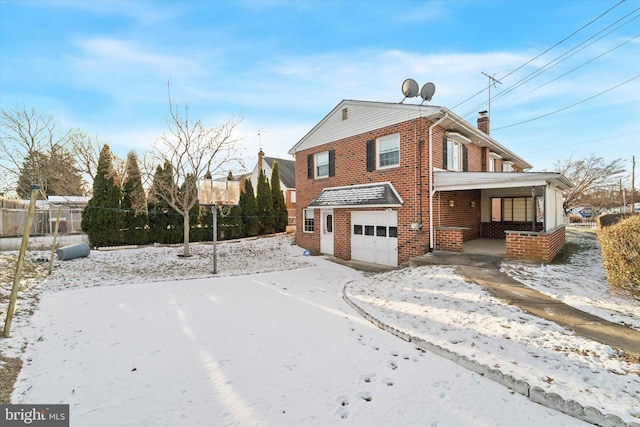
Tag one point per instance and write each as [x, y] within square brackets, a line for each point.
[380, 194]
[287, 170]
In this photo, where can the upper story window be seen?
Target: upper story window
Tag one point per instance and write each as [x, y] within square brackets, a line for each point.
[321, 165]
[388, 151]
[454, 155]
[507, 166]
[493, 161]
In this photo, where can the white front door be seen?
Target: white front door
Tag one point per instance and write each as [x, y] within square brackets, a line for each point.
[326, 231]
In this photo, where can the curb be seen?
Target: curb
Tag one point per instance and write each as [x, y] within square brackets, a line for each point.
[535, 394]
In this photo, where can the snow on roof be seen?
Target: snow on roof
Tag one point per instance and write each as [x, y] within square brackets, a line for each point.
[380, 195]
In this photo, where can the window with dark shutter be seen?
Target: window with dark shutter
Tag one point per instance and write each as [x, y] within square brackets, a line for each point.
[444, 152]
[465, 159]
[371, 155]
[310, 166]
[332, 162]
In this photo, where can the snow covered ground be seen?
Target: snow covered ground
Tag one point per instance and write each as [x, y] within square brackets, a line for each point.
[144, 337]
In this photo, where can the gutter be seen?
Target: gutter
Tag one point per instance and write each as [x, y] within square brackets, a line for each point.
[431, 187]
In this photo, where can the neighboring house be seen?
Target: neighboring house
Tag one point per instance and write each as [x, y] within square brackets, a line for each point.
[364, 172]
[287, 170]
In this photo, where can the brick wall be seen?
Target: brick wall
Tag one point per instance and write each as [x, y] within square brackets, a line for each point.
[410, 179]
[496, 230]
[535, 246]
[465, 211]
[449, 238]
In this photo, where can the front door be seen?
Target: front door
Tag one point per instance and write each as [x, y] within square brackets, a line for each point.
[326, 232]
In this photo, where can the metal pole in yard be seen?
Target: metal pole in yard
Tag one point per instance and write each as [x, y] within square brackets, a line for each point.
[55, 238]
[215, 238]
[23, 248]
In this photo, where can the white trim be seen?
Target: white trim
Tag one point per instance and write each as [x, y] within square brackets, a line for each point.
[458, 137]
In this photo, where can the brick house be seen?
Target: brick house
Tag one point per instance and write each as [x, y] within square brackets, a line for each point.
[363, 175]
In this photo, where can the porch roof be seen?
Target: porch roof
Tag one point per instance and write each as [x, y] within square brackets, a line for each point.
[450, 181]
[380, 194]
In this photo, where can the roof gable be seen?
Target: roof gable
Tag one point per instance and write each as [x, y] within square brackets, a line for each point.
[365, 116]
[287, 170]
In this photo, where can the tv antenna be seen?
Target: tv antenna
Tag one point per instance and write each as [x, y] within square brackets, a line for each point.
[259, 141]
[492, 81]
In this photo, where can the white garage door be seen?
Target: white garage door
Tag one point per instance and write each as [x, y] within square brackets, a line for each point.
[374, 237]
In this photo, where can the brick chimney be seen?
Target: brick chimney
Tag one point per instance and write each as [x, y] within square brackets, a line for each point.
[483, 122]
[260, 156]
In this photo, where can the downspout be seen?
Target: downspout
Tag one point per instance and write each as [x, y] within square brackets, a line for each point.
[431, 188]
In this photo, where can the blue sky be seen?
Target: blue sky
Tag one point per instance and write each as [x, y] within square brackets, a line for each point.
[281, 66]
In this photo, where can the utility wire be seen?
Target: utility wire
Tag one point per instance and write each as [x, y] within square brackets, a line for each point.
[574, 69]
[566, 55]
[539, 55]
[569, 106]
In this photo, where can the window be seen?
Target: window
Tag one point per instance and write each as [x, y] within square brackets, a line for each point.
[454, 155]
[368, 230]
[515, 209]
[493, 161]
[381, 231]
[357, 229]
[388, 151]
[393, 231]
[328, 227]
[309, 226]
[293, 197]
[507, 166]
[322, 164]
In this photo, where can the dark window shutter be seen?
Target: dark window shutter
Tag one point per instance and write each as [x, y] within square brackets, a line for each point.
[371, 155]
[310, 166]
[465, 159]
[444, 152]
[332, 162]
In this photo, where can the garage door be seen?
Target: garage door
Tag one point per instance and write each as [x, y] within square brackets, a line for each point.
[374, 237]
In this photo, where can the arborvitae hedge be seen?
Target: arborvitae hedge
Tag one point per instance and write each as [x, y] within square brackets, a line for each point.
[265, 205]
[281, 216]
[102, 218]
[620, 246]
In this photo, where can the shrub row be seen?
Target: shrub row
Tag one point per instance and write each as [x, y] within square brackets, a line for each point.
[620, 246]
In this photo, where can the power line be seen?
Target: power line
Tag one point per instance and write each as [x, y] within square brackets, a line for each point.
[576, 68]
[570, 106]
[563, 57]
[539, 55]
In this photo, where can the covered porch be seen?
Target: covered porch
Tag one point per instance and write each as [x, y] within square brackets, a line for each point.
[521, 210]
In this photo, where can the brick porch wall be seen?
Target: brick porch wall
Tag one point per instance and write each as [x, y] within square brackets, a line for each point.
[496, 230]
[533, 246]
[450, 238]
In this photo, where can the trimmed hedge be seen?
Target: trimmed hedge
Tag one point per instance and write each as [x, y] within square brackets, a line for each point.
[620, 246]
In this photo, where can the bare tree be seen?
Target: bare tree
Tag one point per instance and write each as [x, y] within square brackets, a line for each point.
[86, 151]
[192, 149]
[26, 139]
[591, 177]
[33, 150]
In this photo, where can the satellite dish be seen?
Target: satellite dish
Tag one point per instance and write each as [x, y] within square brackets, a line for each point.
[427, 91]
[409, 89]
